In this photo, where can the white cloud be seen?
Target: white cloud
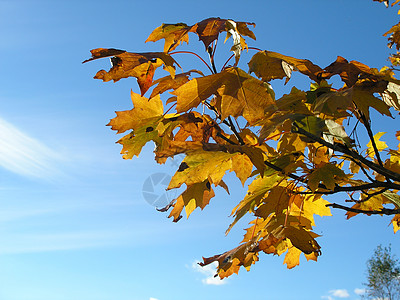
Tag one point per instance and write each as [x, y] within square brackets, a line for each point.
[24, 155]
[359, 291]
[209, 271]
[340, 293]
[151, 298]
[327, 297]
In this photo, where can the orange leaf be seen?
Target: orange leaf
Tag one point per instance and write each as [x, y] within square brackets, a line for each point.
[139, 65]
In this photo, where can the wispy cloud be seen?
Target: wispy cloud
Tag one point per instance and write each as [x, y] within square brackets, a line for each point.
[151, 298]
[359, 292]
[24, 155]
[209, 273]
[39, 242]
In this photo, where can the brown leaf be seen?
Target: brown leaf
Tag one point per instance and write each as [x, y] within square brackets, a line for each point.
[348, 71]
[394, 37]
[268, 65]
[139, 65]
[302, 240]
[207, 30]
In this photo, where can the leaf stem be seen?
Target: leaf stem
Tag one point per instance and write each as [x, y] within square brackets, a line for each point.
[195, 54]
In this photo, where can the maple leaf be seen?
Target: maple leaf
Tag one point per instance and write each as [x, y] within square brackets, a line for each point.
[230, 261]
[240, 94]
[174, 34]
[268, 65]
[207, 30]
[302, 239]
[127, 64]
[276, 202]
[143, 110]
[379, 144]
[242, 166]
[168, 82]
[394, 37]
[195, 195]
[348, 71]
[329, 174]
[199, 166]
[255, 193]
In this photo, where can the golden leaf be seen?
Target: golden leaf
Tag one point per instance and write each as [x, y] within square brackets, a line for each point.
[143, 111]
[241, 94]
[379, 144]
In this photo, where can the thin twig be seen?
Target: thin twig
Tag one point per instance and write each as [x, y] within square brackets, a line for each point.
[195, 54]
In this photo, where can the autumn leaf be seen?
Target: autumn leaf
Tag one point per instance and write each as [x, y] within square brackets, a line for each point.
[134, 142]
[268, 65]
[174, 34]
[348, 71]
[302, 240]
[207, 30]
[143, 111]
[242, 166]
[195, 195]
[201, 166]
[139, 65]
[329, 174]
[379, 144]
[168, 82]
[255, 193]
[276, 202]
[241, 94]
[394, 36]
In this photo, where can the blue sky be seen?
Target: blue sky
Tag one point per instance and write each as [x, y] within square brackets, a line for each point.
[73, 220]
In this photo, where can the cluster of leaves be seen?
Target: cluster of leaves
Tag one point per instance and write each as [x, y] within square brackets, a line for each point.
[289, 152]
[393, 36]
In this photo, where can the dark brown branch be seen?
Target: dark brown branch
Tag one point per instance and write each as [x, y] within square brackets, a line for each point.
[342, 148]
[228, 123]
[371, 137]
[383, 211]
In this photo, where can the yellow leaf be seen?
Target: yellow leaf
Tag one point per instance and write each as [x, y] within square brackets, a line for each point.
[379, 144]
[242, 166]
[196, 195]
[396, 223]
[292, 257]
[143, 111]
[202, 165]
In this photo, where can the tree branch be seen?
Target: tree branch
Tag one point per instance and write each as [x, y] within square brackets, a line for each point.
[383, 211]
[342, 148]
